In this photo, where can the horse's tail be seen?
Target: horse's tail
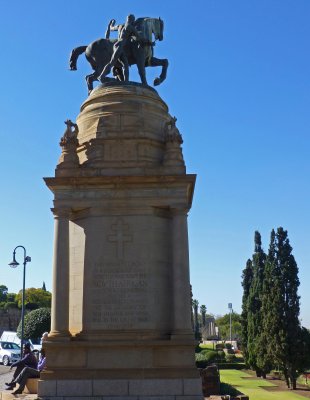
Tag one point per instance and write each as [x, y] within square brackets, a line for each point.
[75, 53]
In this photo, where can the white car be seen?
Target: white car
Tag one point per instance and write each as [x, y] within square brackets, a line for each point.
[9, 352]
[10, 336]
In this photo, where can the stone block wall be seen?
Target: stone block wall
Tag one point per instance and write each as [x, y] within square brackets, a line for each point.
[9, 319]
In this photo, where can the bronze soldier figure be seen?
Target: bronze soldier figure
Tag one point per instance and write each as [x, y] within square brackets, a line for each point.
[125, 33]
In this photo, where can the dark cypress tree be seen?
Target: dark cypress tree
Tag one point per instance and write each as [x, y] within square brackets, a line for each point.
[264, 358]
[247, 278]
[271, 300]
[291, 306]
[282, 306]
[303, 350]
[255, 319]
[44, 287]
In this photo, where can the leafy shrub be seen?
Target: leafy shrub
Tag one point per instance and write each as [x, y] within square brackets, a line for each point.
[198, 349]
[208, 355]
[228, 346]
[36, 323]
[205, 351]
[10, 304]
[221, 355]
[219, 346]
[200, 357]
[239, 357]
[230, 358]
[235, 365]
[205, 358]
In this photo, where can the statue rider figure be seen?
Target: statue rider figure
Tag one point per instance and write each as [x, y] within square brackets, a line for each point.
[113, 27]
[125, 32]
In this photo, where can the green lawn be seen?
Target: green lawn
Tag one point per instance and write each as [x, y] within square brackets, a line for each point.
[302, 381]
[207, 346]
[254, 387]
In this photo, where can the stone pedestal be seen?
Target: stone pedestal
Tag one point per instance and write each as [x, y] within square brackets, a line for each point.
[121, 323]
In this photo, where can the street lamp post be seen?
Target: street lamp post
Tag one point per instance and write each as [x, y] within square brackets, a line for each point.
[230, 311]
[15, 264]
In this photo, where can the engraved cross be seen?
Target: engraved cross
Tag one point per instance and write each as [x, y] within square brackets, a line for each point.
[120, 237]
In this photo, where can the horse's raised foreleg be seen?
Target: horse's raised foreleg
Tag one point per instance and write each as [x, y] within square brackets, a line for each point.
[157, 62]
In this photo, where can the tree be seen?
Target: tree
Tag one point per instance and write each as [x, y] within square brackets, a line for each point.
[196, 324]
[3, 293]
[36, 323]
[203, 310]
[35, 298]
[11, 297]
[304, 350]
[256, 355]
[223, 323]
[44, 287]
[282, 306]
[247, 278]
[270, 310]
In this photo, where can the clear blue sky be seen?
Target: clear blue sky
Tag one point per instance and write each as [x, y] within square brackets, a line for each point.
[238, 82]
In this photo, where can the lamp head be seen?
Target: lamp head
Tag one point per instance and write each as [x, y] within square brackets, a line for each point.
[14, 263]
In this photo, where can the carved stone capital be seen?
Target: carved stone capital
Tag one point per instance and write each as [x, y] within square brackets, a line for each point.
[179, 211]
[61, 212]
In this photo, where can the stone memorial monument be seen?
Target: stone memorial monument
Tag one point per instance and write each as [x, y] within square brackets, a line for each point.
[121, 319]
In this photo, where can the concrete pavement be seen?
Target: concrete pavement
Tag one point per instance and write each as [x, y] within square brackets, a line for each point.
[6, 376]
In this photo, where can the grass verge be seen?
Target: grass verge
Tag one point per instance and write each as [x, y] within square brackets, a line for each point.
[254, 388]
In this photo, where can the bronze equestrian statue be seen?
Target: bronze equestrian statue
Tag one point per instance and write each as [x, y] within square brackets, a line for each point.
[133, 46]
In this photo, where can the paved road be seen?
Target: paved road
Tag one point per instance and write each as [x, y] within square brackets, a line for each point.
[5, 376]
[3, 369]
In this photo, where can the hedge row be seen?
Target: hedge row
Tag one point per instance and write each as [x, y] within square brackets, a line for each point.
[231, 365]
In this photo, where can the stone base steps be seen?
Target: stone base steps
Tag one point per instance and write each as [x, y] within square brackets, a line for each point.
[9, 396]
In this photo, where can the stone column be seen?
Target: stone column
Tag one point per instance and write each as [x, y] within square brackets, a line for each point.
[182, 327]
[60, 294]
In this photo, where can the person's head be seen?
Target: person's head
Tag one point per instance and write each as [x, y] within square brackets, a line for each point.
[27, 348]
[44, 336]
[131, 18]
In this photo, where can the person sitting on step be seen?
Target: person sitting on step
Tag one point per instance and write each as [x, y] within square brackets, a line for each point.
[28, 373]
[29, 360]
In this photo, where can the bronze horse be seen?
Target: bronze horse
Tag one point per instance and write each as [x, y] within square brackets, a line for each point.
[99, 53]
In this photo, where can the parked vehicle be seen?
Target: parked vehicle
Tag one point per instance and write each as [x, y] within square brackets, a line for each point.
[9, 352]
[10, 336]
[35, 344]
